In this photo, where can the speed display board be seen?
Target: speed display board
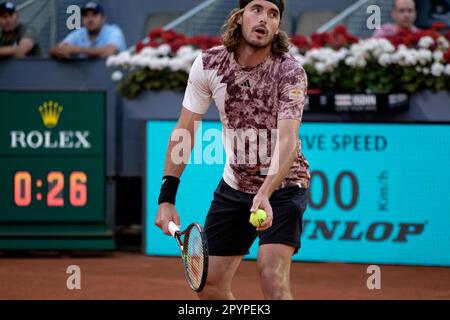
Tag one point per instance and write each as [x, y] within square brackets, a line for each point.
[379, 192]
[52, 159]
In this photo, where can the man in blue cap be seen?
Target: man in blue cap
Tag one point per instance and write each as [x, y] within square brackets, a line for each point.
[16, 39]
[95, 40]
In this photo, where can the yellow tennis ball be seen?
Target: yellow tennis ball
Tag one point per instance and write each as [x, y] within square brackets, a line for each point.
[258, 217]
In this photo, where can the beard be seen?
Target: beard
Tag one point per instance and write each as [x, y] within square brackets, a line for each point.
[255, 44]
[94, 32]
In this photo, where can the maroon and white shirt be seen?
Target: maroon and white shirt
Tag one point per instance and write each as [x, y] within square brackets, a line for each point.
[250, 103]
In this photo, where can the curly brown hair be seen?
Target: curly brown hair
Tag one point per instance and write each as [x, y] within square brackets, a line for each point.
[231, 34]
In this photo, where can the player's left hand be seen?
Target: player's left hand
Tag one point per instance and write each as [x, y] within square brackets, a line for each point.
[261, 201]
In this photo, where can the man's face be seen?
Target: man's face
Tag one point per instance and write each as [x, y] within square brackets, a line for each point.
[404, 13]
[8, 21]
[93, 21]
[259, 23]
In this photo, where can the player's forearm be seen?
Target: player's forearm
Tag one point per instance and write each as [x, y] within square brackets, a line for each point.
[280, 166]
[181, 143]
[177, 159]
[7, 51]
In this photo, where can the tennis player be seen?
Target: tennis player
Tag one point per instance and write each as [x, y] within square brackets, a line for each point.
[258, 87]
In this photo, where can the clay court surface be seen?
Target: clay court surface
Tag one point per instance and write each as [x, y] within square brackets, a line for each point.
[123, 275]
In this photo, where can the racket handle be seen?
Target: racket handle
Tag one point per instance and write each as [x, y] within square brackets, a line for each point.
[173, 228]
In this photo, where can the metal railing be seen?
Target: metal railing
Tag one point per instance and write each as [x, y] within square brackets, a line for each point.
[41, 16]
[206, 18]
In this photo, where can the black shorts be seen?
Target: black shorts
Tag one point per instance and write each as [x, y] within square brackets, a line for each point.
[227, 226]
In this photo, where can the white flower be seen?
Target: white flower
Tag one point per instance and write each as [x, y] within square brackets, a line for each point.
[293, 50]
[410, 59]
[176, 64]
[350, 61]
[385, 59]
[361, 62]
[111, 61]
[424, 56]
[164, 49]
[123, 58]
[117, 75]
[369, 45]
[426, 71]
[437, 69]
[301, 59]
[185, 51]
[402, 47]
[438, 55]
[419, 69]
[342, 53]
[386, 45]
[426, 42]
[120, 60]
[155, 64]
[149, 52]
[447, 69]
[320, 67]
[187, 68]
[139, 61]
[443, 43]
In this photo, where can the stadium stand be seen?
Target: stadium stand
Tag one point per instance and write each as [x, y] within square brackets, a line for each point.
[310, 21]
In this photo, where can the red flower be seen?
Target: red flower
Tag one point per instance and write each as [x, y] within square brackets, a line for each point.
[447, 56]
[200, 41]
[404, 32]
[411, 40]
[155, 33]
[168, 36]
[438, 25]
[216, 41]
[153, 44]
[139, 46]
[352, 39]
[395, 40]
[177, 44]
[320, 39]
[301, 42]
[340, 29]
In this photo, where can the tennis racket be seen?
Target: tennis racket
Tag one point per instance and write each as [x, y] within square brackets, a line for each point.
[194, 254]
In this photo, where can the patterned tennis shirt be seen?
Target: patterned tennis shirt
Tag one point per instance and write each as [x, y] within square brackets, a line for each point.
[250, 103]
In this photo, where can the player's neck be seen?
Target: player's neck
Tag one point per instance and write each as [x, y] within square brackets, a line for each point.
[248, 57]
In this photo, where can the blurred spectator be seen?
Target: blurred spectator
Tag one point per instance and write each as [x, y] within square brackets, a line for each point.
[16, 39]
[404, 15]
[95, 40]
[431, 11]
[440, 10]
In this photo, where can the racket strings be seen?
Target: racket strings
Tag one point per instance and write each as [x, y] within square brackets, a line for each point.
[194, 257]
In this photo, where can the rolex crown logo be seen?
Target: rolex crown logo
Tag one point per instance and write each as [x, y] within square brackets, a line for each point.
[50, 112]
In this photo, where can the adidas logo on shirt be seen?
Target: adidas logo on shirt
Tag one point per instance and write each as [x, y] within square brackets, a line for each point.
[246, 84]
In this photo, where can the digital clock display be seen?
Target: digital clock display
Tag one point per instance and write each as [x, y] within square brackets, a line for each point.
[52, 163]
[23, 189]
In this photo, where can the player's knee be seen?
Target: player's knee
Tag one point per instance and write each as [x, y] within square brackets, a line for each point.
[217, 287]
[214, 291]
[275, 284]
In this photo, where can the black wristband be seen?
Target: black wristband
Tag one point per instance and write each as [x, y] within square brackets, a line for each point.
[169, 188]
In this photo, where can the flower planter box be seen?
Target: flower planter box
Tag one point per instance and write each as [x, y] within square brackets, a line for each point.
[423, 106]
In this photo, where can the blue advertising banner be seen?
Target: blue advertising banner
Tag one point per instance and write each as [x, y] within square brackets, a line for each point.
[379, 192]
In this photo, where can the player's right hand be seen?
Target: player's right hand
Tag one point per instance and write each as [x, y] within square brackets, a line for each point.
[166, 213]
